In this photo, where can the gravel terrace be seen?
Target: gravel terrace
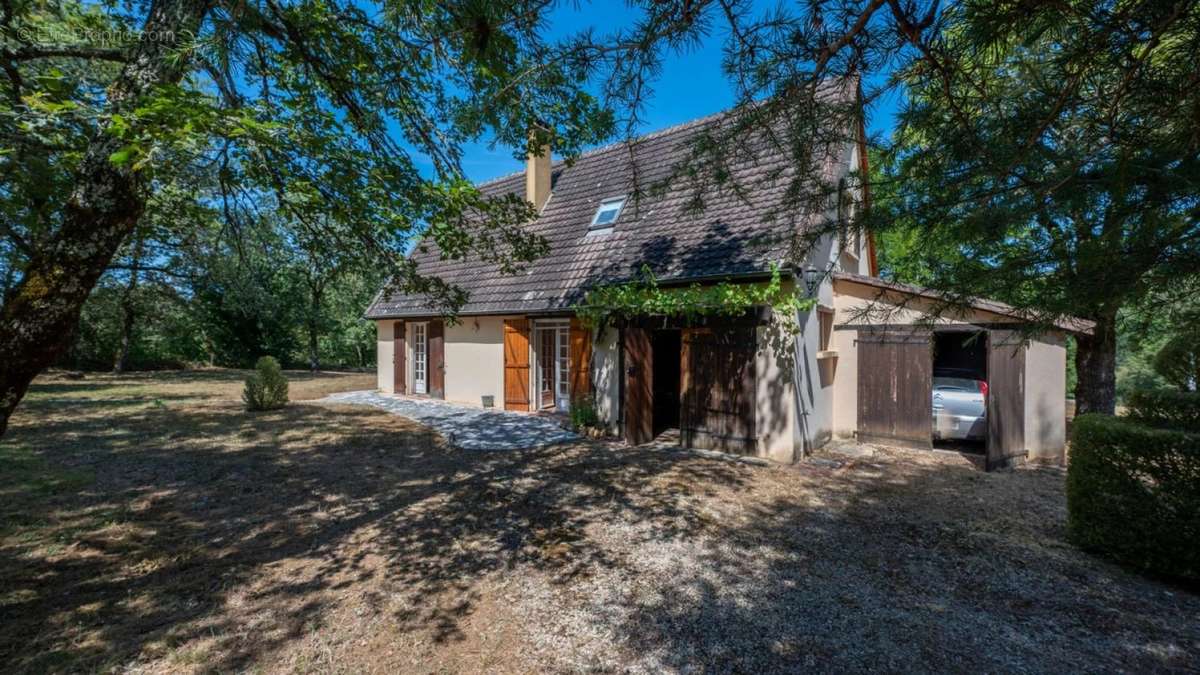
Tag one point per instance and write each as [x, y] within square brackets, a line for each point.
[466, 427]
[150, 529]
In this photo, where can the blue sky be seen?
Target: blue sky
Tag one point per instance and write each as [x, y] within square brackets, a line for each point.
[691, 84]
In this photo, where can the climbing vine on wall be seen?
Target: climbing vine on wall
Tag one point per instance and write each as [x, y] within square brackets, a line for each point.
[644, 297]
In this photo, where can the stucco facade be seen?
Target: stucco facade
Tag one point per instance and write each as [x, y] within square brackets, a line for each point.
[606, 374]
[1046, 398]
[384, 350]
[474, 358]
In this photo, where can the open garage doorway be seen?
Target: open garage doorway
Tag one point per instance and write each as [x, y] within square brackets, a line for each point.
[666, 345]
[960, 390]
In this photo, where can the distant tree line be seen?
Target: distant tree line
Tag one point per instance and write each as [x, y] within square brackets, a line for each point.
[223, 298]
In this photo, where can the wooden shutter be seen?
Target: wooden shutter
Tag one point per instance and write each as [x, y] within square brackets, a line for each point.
[718, 387]
[399, 382]
[436, 359]
[895, 386]
[639, 392]
[581, 360]
[516, 364]
[1005, 398]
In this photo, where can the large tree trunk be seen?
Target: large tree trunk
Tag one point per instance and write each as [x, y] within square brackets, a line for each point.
[314, 356]
[102, 209]
[128, 310]
[1096, 369]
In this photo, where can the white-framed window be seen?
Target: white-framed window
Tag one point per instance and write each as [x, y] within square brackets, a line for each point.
[420, 358]
[607, 214]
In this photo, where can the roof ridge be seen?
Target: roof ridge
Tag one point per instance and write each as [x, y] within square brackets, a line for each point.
[608, 147]
[828, 87]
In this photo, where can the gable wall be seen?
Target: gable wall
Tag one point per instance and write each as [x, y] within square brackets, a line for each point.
[857, 304]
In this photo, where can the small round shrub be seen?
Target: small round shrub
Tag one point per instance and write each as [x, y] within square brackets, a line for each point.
[583, 413]
[266, 388]
[1133, 494]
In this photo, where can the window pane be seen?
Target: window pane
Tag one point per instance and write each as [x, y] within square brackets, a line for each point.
[608, 212]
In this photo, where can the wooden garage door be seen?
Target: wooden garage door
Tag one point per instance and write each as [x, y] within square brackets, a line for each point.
[718, 389]
[895, 386]
[639, 394]
[1006, 398]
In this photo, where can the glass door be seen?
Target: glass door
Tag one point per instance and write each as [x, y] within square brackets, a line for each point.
[545, 369]
[420, 359]
[552, 355]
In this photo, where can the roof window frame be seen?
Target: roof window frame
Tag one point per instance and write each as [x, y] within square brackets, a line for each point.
[595, 225]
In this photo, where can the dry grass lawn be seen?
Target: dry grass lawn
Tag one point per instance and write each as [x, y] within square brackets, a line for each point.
[151, 525]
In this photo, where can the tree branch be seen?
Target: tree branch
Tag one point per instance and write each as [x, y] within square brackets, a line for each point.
[30, 53]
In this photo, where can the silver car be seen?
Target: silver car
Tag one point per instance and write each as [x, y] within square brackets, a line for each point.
[959, 406]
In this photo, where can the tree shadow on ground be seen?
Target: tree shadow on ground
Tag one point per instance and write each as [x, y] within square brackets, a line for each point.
[244, 530]
[894, 566]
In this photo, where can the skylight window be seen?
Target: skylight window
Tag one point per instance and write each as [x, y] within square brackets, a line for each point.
[607, 214]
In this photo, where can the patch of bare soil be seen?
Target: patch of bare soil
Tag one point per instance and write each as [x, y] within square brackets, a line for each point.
[186, 535]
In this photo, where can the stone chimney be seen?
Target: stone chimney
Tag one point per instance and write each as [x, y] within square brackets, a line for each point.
[537, 173]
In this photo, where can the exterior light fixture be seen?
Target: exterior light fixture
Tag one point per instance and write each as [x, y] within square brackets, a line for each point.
[812, 279]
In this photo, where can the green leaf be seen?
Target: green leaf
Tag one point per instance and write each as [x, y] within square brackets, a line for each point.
[122, 156]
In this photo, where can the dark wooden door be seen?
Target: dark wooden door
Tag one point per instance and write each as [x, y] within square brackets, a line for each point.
[1005, 398]
[437, 359]
[399, 381]
[718, 389]
[516, 364]
[895, 386]
[639, 382]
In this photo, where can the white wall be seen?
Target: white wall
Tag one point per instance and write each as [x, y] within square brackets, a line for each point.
[811, 393]
[774, 409]
[845, 382]
[818, 410]
[1046, 398]
[854, 258]
[475, 360]
[606, 376]
[384, 365]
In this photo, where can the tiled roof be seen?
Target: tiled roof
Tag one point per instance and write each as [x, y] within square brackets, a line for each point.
[734, 235]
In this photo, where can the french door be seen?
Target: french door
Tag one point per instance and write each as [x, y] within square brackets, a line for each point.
[552, 353]
[420, 358]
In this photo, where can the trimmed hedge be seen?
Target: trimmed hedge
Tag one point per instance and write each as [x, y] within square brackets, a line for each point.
[1133, 493]
[1166, 409]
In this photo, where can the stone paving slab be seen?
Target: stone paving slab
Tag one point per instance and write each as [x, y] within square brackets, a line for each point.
[466, 427]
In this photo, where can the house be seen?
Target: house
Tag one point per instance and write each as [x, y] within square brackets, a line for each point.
[861, 365]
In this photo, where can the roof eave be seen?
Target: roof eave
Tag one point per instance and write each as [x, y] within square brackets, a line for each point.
[1069, 324]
